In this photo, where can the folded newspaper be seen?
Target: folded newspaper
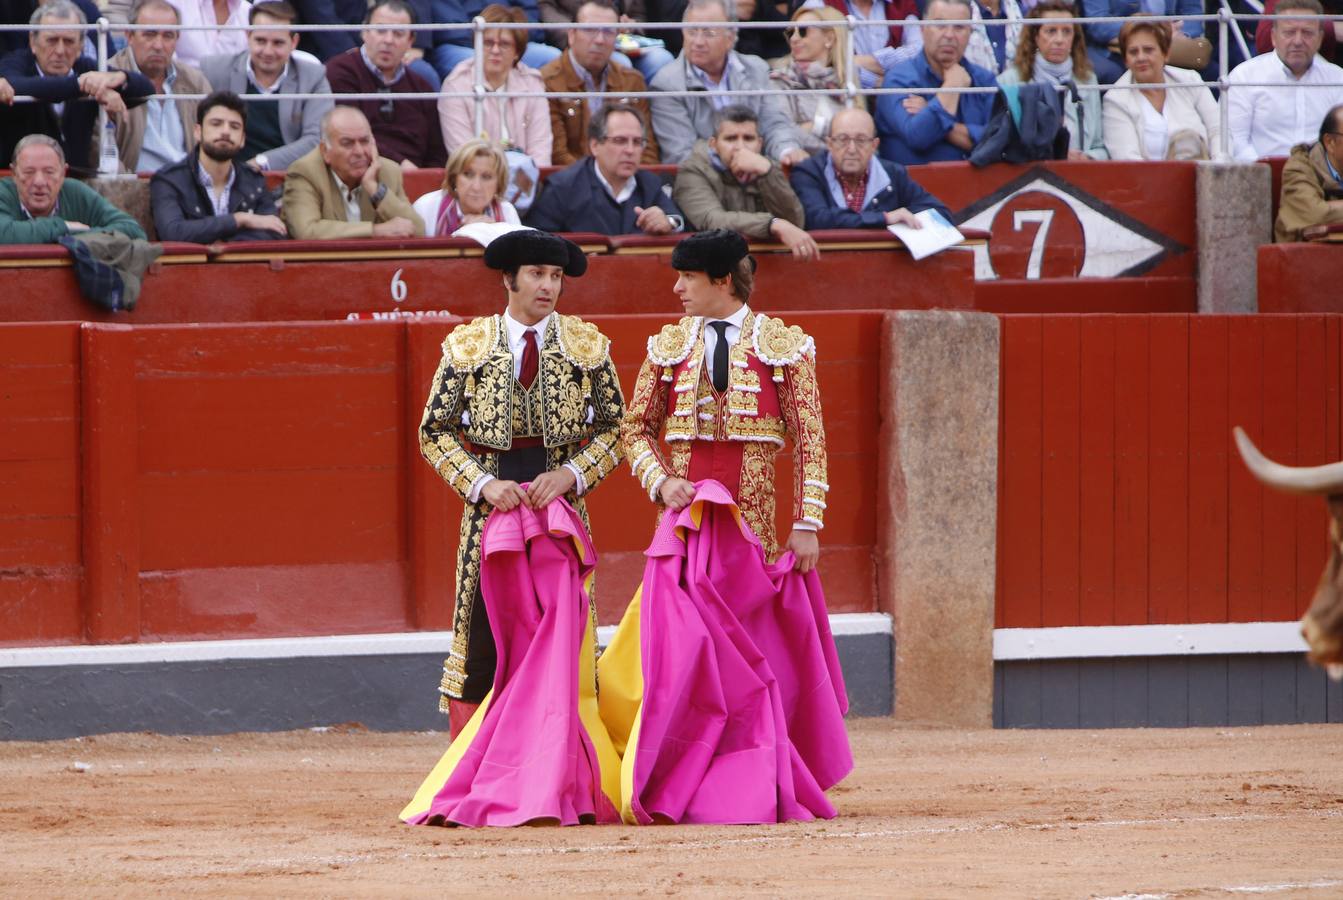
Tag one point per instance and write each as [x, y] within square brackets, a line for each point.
[937, 234]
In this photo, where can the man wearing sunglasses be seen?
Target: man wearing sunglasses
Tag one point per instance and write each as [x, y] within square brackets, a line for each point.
[407, 131]
[848, 186]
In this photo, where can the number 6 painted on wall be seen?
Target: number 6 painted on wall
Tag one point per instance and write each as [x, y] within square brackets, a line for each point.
[1043, 218]
[399, 289]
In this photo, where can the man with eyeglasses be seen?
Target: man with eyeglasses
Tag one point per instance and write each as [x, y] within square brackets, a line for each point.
[588, 66]
[848, 186]
[708, 64]
[1312, 188]
[158, 133]
[606, 192]
[1269, 121]
[407, 131]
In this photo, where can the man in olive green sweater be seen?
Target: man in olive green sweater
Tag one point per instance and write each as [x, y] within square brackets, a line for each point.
[38, 206]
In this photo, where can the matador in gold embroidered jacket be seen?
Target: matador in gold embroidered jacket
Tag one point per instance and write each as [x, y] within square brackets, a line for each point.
[479, 415]
[732, 435]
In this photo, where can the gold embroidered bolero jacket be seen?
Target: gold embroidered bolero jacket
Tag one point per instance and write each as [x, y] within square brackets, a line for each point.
[771, 395]
[575, 402]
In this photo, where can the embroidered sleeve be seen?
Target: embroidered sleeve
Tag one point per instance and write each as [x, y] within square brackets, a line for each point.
[642, 426]
[440, 443]
[800, 401]
[602, 454]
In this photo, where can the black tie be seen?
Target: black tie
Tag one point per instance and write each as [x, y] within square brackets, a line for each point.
[720, 357]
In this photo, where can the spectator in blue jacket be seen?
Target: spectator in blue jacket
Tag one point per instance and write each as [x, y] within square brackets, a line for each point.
[917, 129]
[849, 187]
[451, 47]
[1103, 37]
[606, 192]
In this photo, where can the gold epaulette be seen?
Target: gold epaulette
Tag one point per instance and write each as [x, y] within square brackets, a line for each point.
[582, 344]
[672, 344]
[777, 344]
[468, 345]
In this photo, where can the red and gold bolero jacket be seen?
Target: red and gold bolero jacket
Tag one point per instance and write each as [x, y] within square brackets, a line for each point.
[772, 396]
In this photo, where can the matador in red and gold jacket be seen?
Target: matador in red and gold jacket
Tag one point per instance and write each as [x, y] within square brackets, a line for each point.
[733, 432]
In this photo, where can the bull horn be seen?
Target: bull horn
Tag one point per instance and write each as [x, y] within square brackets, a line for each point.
[1300, 480]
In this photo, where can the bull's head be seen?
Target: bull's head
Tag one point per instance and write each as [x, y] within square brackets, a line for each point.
[1322, 625]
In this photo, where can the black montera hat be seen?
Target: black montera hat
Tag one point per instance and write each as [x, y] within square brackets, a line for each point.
[715, 252]
[529, 247]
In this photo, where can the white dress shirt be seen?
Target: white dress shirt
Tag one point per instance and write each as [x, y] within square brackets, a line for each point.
[350, 197]
[731, 334]
[517, 337]
[194, 46]
[1269, 121]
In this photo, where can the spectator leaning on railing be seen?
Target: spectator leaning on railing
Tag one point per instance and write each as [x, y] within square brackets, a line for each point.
[343, 190]
[850, 187]
[1269, 121]
[279, 130]
[606, 192]
[39, 206]
[915, 129]
[1312, 189]
[67, 86]
[158, 132]
[407, 130]
[1054, 53]
[728, 183]
[207, 196]
[708, 64]
[194, 46]
[1155, 122]
[589, 65]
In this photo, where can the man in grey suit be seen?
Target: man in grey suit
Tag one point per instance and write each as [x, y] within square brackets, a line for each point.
[279, 131]
[708, 63]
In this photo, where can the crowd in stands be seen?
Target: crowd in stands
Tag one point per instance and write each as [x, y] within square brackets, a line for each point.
[752, 151]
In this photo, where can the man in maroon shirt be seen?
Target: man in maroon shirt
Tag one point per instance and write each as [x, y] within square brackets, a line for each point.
[407, 131]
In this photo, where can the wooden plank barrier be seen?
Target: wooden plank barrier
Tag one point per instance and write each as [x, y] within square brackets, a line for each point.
[1122, 500]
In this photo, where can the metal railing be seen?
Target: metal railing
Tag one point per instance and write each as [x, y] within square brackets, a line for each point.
[1224, 19]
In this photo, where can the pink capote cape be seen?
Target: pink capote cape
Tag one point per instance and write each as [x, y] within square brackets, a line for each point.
[722, 686]
[535, 749]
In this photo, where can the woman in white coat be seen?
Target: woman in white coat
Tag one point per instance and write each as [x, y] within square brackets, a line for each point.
[1160, 120]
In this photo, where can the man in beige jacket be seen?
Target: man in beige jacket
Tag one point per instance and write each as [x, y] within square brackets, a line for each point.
[1312, 191]
[342, 189]
[158, 132]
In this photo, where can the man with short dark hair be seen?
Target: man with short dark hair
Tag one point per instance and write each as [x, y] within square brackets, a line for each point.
[848, 186]
[587, 66]
[343, 189]
[1312, 189]
[1269, 121]
[38, 205]
[208, 197]
[407, 131]
[606, 191]
[917, 128]
[728, 183]
[279, 130]
[158, 132]
[68, 87]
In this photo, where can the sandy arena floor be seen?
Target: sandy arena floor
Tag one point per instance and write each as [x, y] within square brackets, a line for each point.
[926, 813]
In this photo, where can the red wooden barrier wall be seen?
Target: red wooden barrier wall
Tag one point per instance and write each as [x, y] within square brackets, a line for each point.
[1297, 278]
[1122, 500]
[178, 482]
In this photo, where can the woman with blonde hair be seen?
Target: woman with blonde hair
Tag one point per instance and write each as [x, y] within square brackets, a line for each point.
[1055, 53]
[1160, 119]
[473, 191]
[820, 58]
[520, 122]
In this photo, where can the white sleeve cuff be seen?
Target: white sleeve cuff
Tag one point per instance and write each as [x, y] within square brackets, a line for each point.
[477, 486]
[805, 526]
[580, 486]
